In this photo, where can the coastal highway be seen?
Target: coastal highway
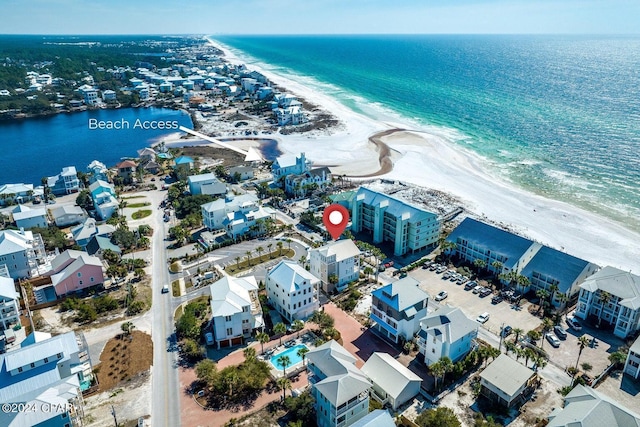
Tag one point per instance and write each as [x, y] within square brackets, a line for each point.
[165, 410]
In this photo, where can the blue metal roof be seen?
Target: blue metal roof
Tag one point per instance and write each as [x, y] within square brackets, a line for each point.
[396, 207]
[183, 160]
[558, 265]
[402, 294]
[501, 242]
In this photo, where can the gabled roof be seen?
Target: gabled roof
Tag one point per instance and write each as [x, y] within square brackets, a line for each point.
[449, 322]
[89, 228]
[564, 268]
[585, 407]
[15, 188]
[65, 258]
[230, 294]
[183, 160]
[98, 243]
[146, 152]
[506, 374]
[29, 213]
[340, 389]
[7, 288]
[35, 337]
[291, 276]
[396, 207]
[621, 284]
[389, 374]
[203, 177]
[67, 210]
[509, 245]
[286, 160]
[342, 249]
[402, 294]
[126, 164]
[12, 241]
[80, 259]
[100, 184]
[331, 358]
[377, 418]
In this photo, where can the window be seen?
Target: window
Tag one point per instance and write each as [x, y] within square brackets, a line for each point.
[227, 318]
[20, 369]
[229, 331]
[92, 280]
[80, 282]
[79, 274]
[59, 355]
[46, 360]
[33, 365]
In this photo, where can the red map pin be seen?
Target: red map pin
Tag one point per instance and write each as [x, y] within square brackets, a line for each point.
[335, 218]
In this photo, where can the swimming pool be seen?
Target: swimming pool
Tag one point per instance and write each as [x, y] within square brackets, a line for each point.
[291, 352]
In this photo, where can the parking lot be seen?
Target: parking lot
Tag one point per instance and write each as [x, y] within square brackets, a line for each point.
[473, 305]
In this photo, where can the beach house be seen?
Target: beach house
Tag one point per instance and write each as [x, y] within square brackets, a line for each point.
[206, 183]
[506, 381]
[89, 228]
[611, 296]
[392, 383]
[98, 245]
[446, 332]
[292, 290]
[289, 164]
[45, 372]
[26, 217]
[240, 173]
[17, 193]
[388, 219]
[126, 171]
[104, 199]
[396, 309]
[303, 184]
[238, 215]
[97, 171]
[21, 252]
[9, 307]
[586, 407]
[235, 310]
[632, 364]
[66, 182]
[336, 264]
[64, 216]
[73, 271]
[339, 388]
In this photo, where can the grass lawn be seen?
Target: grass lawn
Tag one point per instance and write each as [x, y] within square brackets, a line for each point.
[141, 214]
[138, 205]
[123, 359]
[175, 288]
[132, 197]
[244, 264]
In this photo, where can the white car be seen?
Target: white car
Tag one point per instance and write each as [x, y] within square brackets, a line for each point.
[574, 324]
[483, 317]
[553, 340]
[441, 295]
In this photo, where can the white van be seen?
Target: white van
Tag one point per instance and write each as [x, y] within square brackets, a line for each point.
[165, 289]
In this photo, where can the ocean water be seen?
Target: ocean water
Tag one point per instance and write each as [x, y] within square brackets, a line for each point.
[38, 147]
[556, 115]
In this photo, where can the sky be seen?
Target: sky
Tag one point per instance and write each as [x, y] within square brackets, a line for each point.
[320, 16]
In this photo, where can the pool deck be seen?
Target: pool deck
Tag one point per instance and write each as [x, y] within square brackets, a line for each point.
[307, 339]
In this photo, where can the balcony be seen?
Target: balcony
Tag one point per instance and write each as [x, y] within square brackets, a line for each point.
[384, 324]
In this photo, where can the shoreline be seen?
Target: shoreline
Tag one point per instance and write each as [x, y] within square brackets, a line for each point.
[431, 161]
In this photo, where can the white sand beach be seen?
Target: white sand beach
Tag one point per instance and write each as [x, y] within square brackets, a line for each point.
[433, 162]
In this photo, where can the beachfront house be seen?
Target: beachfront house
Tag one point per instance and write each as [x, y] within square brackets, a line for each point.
[586, 407]
[339, 388]
[66, 182]
[303, 184]
[292, 290]
[9, 306]
[89, 228]
[506, 382]
[336, 264]
[396, 309]
[183, 165]
[89, 94]
[238, 215]
[611, 296]
[26, 217]
[376, 418]
[98, 245]
[97, 171]
[446, 332]
[632, 364]
[17, 193]
[126, 171]
[388, 219]
[393, 383]
[235, 310]
[104, 199]
[45, 372]
[240, 173]
[206, 183]
[64, 216]
[289, 164]
[146, 155]
[290, 116]
[21, 252]
[73, 271]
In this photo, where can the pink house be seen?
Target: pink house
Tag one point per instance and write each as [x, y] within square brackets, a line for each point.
[75, 270]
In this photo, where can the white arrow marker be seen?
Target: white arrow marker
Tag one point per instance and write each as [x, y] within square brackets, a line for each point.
[250, 156]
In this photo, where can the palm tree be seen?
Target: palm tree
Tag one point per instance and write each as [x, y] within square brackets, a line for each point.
[279, 245]
[547, 325]
[447, 364]
[517, 332]
[269, 246]
[248, 254]
[522, 281]
[302, 353]
[553, 289]
[493, 352]
[497, 265]
[262, 338]
[528, 354]
[604, 297]
[437, 370]
[480, 264]
[562, 299]
[542, 294]
[534, 336]
[237, 262]
[259, 249]
[284, 384]
[280, 329]
[249, 354]
[284, 361]
[297, 326]
[447, 246]
[582, 343]
[288, 243]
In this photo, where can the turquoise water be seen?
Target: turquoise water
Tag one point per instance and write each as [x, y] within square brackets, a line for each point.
[38, 147]
[291, 352]
[556, 115]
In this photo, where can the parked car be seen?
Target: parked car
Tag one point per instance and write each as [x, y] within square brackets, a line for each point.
[461, 280]
[441, 295]
[454, 277]
[208, 337]
[470, 285]
[165, 289]
[506, 331]
[586, 378]
[478, 289]
[485, 292]
[434, 266]
[574, 324]
[441, 269]
[483, 317]
[497, 299]
[553, 340]
[560, 332]
[446, 275]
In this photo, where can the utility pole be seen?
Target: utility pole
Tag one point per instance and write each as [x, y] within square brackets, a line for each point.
[113, 412]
